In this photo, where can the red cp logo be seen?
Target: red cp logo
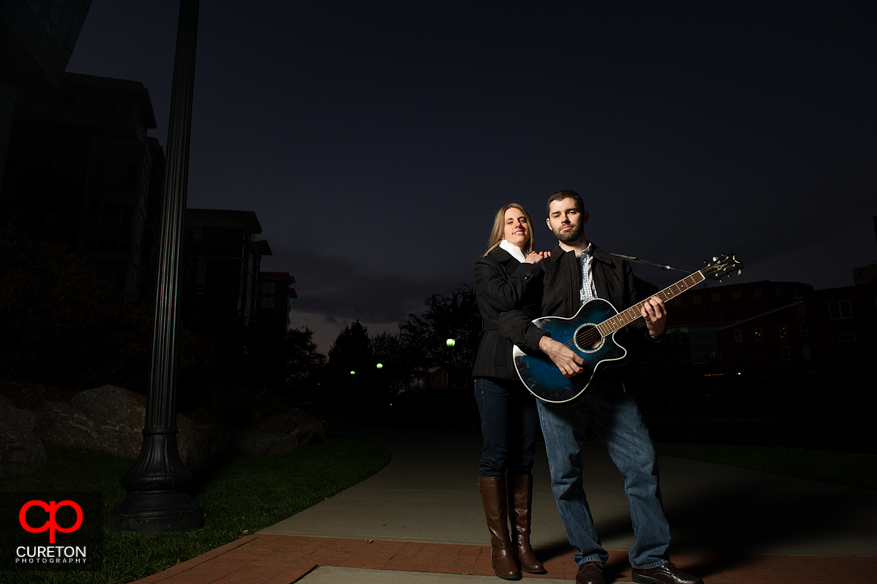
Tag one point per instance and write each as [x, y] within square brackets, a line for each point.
[51, 508]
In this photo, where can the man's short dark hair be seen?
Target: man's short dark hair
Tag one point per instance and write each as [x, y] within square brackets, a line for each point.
[566, 194]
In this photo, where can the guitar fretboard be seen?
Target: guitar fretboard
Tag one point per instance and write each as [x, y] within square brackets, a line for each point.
[625, 317]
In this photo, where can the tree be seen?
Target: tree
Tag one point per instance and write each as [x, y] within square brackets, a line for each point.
[351, 350]
[351, 371]
[304, 364]
[454, 317]
[61, 324]
[59, 321]
[394, 373]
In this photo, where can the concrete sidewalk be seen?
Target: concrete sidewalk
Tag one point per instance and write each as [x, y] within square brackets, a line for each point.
[420, 521]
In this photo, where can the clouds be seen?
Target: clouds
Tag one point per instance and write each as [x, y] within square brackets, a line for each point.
[375, 140]
[344, 289]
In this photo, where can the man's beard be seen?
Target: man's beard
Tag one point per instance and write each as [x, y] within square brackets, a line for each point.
[570, 236]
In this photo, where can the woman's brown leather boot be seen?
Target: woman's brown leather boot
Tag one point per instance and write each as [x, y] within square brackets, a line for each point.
[520, 489]
[493, 497]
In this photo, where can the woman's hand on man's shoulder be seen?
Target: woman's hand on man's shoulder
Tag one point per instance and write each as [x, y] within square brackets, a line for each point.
[537, 256]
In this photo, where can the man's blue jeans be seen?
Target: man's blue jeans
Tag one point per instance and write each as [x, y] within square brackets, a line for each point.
[615, 418]
[508, 426]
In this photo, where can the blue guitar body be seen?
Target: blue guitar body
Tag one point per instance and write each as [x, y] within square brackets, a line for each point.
[541, 375]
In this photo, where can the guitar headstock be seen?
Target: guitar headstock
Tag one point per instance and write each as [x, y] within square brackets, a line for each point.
[721, 266]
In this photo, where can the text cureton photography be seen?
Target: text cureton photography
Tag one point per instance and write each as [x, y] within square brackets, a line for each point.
[54, 531]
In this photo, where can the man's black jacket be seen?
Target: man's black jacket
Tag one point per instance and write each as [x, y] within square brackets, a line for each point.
[561, 284]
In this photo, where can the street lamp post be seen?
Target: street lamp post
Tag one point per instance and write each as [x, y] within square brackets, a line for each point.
[157, 500]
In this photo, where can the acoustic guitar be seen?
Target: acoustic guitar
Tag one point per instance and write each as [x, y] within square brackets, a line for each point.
[590, 333]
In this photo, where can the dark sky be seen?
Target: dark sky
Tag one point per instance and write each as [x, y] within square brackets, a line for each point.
[375, 140]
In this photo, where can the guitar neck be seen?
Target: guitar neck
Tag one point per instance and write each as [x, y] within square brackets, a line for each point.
[625, 317]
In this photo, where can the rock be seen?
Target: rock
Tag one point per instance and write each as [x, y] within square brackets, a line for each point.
[61, 424]
[110, 419]
[308, 431]
[281, 424]
[192, 444]
[21, 450]
[295, 423]
[258, 443]
[117, 415]
[218, 438]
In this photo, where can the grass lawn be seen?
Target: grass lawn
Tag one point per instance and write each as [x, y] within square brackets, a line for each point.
[840, 468]
[239, 495]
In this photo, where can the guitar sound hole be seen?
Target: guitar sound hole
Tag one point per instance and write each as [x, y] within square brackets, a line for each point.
[588, 338]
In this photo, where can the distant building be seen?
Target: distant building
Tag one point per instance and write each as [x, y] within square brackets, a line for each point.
[36, 41]
[696, 316]
[834, 328]
[225, 258]
[272, 310]
[763, 328]
[83, 173]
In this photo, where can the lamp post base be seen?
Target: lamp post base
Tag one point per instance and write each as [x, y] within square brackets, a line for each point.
[156, 512]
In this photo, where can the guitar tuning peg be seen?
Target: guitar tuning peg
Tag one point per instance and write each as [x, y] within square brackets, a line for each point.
[715, 259]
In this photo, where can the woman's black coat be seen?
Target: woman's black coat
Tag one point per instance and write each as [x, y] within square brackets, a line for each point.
[501, 284]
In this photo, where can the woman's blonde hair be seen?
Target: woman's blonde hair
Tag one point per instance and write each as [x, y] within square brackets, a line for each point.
[499, 223]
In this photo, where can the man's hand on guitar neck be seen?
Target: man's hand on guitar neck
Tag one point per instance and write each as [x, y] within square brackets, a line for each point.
[655, 314]
[565, 358]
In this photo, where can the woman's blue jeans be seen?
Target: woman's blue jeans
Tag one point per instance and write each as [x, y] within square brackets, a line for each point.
[508, 426]
[615, 418]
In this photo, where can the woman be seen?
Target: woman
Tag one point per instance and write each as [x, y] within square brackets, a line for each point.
[508, 412]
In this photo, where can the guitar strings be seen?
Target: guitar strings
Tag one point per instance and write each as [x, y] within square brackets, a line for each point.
[586, 338]
[592, 335]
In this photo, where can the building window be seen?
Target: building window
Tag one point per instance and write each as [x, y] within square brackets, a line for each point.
[784, 352]
[759, 293]
[738, 336]
[847, 338]
[801, 310]
[114, 272]
[268, 303]
[269, 288]
[716, 297]
[758, 335]
[678, 336]
[784, 332]
[736, 295]
[110, 226]
[802, 329]
[695, 299]
[201, 276]
[841, 309]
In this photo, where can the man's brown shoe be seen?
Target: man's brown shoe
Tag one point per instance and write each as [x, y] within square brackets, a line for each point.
[664, 574]
[590, 573]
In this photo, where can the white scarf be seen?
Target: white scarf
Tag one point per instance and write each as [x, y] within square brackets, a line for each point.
[513, 250]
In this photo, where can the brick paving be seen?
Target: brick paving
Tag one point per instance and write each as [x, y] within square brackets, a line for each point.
[284, 559]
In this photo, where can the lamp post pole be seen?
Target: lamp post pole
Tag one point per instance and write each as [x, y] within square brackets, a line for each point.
[157, 500]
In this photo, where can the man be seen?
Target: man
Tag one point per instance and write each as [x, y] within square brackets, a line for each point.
[576, 272]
